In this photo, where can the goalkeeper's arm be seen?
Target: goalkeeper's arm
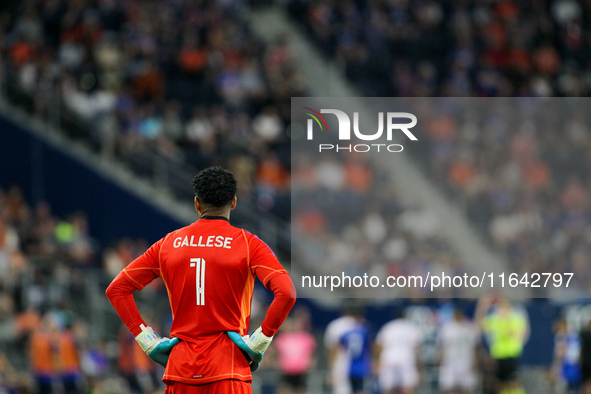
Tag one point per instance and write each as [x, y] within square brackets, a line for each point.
[120, 295]
[255, 344]
[284, 297]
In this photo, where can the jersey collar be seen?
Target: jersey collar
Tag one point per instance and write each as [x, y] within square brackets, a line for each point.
[208, 217]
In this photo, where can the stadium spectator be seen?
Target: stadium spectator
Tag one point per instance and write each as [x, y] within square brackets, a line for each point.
[397, 346]
[507, 331]
[457, 343]
[55, 351]
[172, 123]
[134, 365]
[68, 352]
[296, 356]
[42, 348]
[200, 131]
[11, 380]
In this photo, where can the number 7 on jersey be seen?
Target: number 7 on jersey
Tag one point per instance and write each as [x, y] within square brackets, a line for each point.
[199, 265]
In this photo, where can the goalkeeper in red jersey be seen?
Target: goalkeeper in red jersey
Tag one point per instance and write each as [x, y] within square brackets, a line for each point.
[209, 269]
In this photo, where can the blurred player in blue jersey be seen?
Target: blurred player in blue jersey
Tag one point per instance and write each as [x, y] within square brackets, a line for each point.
[338, 359]
[357, 344]
[567, 354]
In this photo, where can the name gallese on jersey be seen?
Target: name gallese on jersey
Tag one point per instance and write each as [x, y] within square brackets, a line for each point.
[212, 241]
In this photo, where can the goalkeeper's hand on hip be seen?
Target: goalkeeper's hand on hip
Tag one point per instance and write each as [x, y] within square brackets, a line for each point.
[156, 347]
[253, 345]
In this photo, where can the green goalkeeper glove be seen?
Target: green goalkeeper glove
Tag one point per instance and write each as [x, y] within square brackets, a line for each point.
[156, 347]
[253, 345]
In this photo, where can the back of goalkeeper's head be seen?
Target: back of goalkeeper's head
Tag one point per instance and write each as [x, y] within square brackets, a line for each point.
[215, 191]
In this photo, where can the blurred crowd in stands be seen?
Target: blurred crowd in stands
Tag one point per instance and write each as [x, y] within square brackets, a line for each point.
[520, 168]
[500, 48]
[184, 80]
[524, 182]
[353, 217]
[46, 307]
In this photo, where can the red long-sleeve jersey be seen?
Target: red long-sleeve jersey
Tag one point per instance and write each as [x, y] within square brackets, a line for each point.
[208, 268]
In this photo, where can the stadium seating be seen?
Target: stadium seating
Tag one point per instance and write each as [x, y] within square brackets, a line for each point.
[496, 49]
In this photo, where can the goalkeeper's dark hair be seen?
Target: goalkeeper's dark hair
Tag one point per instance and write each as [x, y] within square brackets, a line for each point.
[215, 186]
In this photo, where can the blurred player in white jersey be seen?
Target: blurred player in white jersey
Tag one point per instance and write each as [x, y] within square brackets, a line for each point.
[397, 344]
[338, 359]
[457, 343]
